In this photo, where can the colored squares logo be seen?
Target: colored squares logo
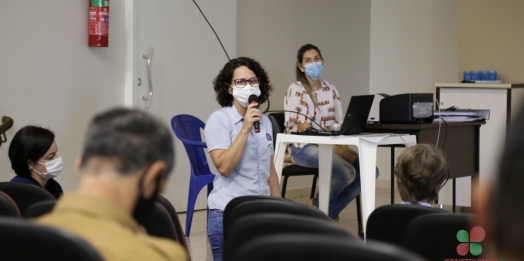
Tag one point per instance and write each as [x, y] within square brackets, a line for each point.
[470, 242]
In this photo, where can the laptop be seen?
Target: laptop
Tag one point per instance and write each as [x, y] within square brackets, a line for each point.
[355, 119]
[357, 115]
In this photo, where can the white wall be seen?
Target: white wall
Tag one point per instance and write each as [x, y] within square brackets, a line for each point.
[413, 45]
[368, 46]
[50, 77]
[186, 59]
[271, 31]
[502, 51]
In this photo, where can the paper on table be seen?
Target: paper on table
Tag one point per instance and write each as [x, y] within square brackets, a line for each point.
[458, 119]
[470, 113]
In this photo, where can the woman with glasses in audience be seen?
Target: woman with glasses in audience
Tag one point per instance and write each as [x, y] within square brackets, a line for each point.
[319, 100]
[242, 155]
[34, 158]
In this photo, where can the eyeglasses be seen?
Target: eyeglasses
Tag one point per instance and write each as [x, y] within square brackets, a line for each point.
[241, 83]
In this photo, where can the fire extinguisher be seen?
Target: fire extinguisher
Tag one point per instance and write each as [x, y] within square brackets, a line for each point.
[98, 23]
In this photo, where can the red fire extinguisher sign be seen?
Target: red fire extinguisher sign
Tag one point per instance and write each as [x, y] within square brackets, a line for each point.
[99, 23]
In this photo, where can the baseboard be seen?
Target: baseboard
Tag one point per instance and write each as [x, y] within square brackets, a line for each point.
[298, 192]
[380, 183]
[383, 183]
[306, 191]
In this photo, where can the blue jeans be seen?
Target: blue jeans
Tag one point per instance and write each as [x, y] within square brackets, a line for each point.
[215, 232]
[345, 177]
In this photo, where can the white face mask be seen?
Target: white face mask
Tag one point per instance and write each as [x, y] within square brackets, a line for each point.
[242, 94]
[53, 167]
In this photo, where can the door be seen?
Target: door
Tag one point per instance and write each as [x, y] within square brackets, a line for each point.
[185, 59]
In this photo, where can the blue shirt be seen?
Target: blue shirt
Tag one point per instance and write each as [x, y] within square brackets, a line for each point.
[420, 203]
[251, 175]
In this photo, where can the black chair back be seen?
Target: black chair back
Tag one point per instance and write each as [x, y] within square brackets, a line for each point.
[388, 223]
[23, 240]
[8, 207]
[179, 233]
[25, 195]
[249, 205]
[434, 236]
[39, 208]
[311, 247]
[159, 223]
[277, 121]
[254, 226]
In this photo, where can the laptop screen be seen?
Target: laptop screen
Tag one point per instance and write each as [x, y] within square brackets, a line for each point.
[357, 114]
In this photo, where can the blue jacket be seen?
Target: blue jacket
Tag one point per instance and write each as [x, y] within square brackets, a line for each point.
[52, 186]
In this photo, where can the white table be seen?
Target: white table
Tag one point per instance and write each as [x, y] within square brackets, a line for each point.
[367, 148]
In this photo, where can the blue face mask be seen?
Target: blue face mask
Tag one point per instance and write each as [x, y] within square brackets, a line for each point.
[314, 69]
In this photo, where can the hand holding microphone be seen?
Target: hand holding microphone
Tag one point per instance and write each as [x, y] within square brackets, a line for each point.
[253, 100]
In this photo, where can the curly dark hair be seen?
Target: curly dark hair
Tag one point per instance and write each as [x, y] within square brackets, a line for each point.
[221, 83]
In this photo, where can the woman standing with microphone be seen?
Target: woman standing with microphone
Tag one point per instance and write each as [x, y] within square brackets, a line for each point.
[242, 156]
[320, 101]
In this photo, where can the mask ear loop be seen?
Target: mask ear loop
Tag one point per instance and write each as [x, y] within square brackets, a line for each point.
[31, 168]
[38, 172]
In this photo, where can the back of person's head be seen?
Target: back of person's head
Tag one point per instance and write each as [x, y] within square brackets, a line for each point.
[506, 201]
[130, 139]
[420, 172]
[29, 144]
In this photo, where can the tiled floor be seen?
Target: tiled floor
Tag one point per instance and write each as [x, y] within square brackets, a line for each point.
[199, 245]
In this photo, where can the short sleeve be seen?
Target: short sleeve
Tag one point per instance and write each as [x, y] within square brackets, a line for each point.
[337, 104]
[268, 128]
[296, 103]
[217, 132]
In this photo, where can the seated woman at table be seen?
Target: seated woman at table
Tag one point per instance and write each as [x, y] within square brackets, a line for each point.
[34, 158]
[242, 156]
[320, 101]
[420, 171]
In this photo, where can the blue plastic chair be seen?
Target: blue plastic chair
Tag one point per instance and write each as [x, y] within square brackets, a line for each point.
[187, 129]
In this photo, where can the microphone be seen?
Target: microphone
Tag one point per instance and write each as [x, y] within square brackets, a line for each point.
[253, 99]
[302, 115]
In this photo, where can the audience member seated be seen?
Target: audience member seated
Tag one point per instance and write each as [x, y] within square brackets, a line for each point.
[499, 203]
[126, 159]
[34, 158]
[420, 171]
